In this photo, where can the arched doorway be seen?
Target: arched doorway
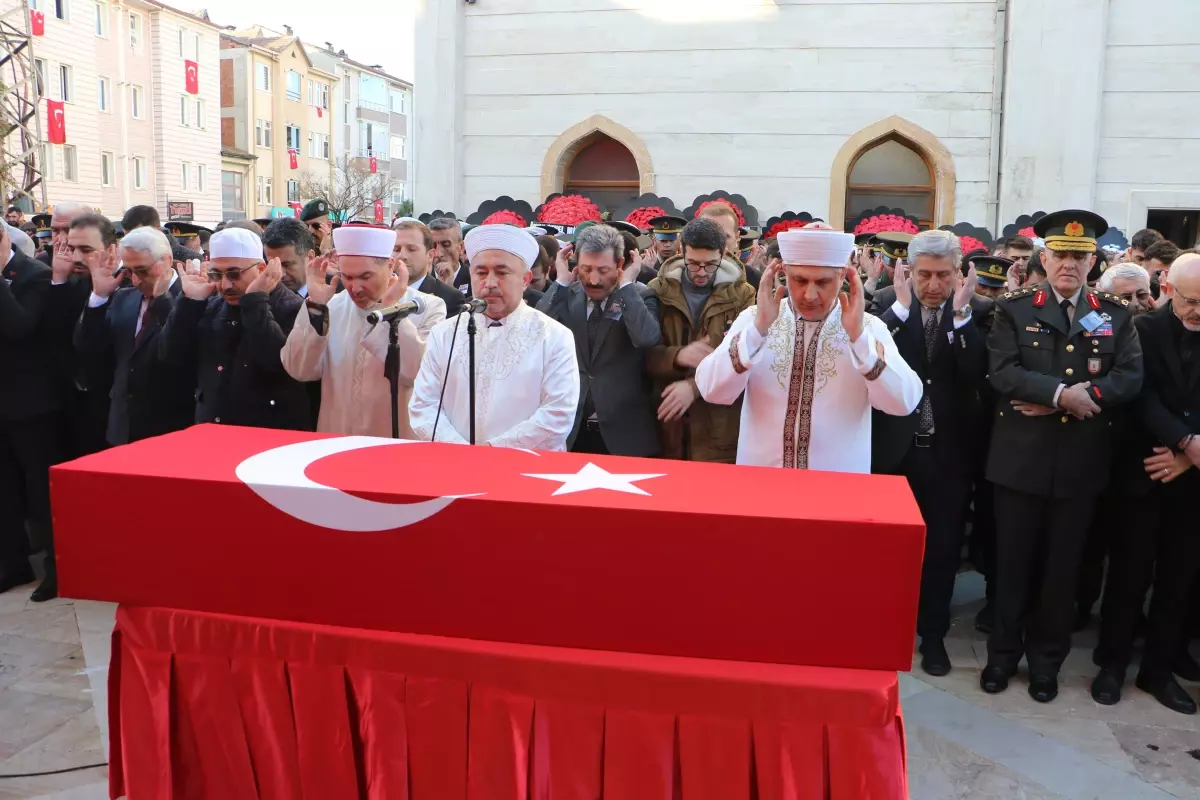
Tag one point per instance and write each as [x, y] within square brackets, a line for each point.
[891, 173]
[603, 170]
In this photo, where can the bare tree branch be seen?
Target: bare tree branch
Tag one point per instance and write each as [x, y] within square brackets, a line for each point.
[353, 189]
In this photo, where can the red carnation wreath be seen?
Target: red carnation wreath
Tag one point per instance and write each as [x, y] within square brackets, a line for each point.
[886, 223]
[784, 225]
[707, 203]
[506, 218]
[1027, 232]
[970, 244]
[640, 217]
[569, 209]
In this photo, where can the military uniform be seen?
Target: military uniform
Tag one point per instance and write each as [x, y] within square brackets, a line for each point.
[1048, 470]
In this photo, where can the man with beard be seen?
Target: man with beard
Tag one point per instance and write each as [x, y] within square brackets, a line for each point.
[333, 341]
[1158, 536]
[614, 320]
[527, 377]
[228, 330]
[448, 251]
[414, 252]
[14, 216]
[290, 241]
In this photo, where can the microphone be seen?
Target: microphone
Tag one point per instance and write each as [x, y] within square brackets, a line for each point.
[401, 309]
[476, 305]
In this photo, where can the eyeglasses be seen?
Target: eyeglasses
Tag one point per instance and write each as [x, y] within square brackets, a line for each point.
[141, 272]
[708, 266]
[1190, 302]
[215, 275]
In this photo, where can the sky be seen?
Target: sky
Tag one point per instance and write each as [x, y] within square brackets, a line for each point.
[370, 32]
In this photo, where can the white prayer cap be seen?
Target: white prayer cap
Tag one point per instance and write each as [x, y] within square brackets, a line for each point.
[235, 243]
[22, 241]
[815, 247]
[404, 219]
[364, 240]
[502, 237]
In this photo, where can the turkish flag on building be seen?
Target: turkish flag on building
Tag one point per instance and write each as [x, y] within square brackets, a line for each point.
[379, 211]
[37, 22]
[191, 77]
[319, 114]
[294, 205]
[56, 122]
[292, 157]
[374, 165]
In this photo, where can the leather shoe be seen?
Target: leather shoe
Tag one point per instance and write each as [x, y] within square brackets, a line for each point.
[47, 590]
[985, 619]
[16, 576]
[994, 678]
[934, 658]
[1168, 692]
[1186, 667]
[1106, 688]
[1043, 688]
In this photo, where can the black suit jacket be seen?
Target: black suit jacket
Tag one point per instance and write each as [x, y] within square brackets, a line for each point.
[532, 297]
[149, 396]
[1169, 405]
[462, 280]
[613, 370]
[1032, 350]
[953, 379]
[28, 380]
[232, 354]
[453, 298]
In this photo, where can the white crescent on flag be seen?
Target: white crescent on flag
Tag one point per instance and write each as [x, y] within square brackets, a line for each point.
[277, 476]
[191, 71]
[58, 115]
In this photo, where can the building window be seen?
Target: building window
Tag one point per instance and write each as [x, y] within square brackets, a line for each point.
[107, 164]
[232, 191]
[399, 105]
[262, 77]
[346, 112]
[293, 190]
[47, 162]
[293, 85]
[66, 83]
[318, 146]
[70, 163]
[325, 147]
[184, 169]
[318, 94]
[183, 110]
[62, 9]
[196, 47]
[135, 31]
[891, 172]
[182, 35]
[137, 101]
[262, 133]
[398, 147]
[139, 172]
[293, 138]
[398, 194]
[200, 114]
[102, 90]
[39, 75]
[102, 19]
[200, 170]
[264, 191]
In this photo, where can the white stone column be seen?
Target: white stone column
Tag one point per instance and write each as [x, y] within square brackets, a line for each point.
[437, 178]
[1052, 109]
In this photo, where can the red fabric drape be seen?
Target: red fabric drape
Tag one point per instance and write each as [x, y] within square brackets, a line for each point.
[214, 706]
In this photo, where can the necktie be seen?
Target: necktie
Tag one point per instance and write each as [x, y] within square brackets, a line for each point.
[145, 320]
[593, 321]
[931, 331]
[1065, 305]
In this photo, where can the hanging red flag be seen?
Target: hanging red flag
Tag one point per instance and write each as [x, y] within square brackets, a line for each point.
[379, 211]
[374, 165]
[56, 122]
[292, 157]
[319, 114]
[191, 76]
[37, 22]
[295, 206]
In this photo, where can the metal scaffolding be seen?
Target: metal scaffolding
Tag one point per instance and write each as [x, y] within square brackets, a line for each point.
[20, 118]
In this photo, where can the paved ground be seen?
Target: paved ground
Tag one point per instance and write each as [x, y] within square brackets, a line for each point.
[962, 743]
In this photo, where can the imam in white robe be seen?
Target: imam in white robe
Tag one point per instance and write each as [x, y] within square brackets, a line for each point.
[349, 362]
[526, 382]
[808, 391]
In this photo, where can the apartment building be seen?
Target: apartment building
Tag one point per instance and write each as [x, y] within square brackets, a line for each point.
[276, 121]
[373, 112]
[134, 133]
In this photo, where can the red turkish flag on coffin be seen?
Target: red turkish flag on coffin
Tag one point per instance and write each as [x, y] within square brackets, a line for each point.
[499, 544]
[292, 157]
[56, 123]
[374, 165]
[37, 22]
[191, 77]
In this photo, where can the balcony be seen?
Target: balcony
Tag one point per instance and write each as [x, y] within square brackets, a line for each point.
[399, 123]
[374, 112]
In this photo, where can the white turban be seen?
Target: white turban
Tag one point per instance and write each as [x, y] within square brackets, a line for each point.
[364, 240]
[21, 240]
[815, 247]
[502, 237]
[235, 243]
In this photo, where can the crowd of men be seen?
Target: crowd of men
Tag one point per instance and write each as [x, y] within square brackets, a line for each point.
[1044, 397]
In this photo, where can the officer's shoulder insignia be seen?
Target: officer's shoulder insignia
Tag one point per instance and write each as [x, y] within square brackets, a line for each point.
[1019, 293]
[1114, 298]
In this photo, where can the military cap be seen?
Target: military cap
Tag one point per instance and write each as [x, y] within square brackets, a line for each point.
[574, 234]
[118, 228]
[43, 224]
[313, 209]
[184, 230]
[666, 227]
[263, 222]
[990, 270]
[863, 238]
[1071, 231]
[747, 238]
[894, 244]
[625, 227]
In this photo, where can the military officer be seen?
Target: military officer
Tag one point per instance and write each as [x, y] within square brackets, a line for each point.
[1062, 357]
[187, 234]
[665, 231]
[893, 247]
[315, 216]
[992, 273]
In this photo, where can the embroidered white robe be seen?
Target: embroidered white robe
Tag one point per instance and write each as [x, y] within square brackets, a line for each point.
[808, 399]
[349, 362]
[526, 382]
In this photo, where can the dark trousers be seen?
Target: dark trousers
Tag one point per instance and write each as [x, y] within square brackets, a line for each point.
[1158, 542]
[942, 492]
[1109, 509]
[981, 550]
[1039, 543]
[87, 424]
[28, 448]
[589, 439]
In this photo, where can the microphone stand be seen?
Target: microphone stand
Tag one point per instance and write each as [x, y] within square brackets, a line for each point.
[471, 372]
[392, 370]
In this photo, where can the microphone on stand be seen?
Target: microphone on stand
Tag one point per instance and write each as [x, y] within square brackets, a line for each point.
[401, 309]
[476, 305]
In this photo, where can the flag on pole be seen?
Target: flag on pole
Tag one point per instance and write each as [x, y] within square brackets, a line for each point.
[379, 211]
[56, 122]
[292, 157]
[374, 165]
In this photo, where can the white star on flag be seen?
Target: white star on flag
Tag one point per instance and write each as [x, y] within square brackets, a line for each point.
[593, 477]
